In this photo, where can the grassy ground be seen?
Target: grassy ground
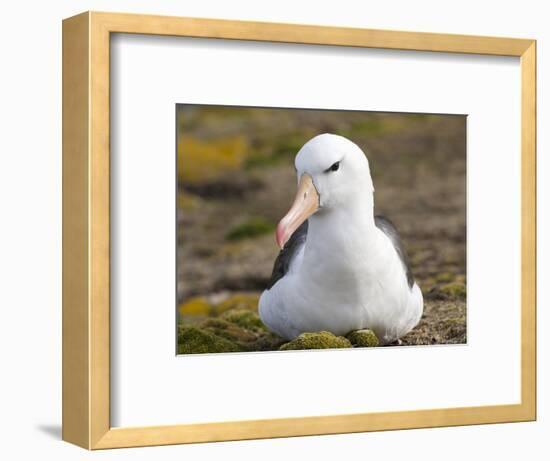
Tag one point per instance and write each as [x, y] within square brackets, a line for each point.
[236, 180]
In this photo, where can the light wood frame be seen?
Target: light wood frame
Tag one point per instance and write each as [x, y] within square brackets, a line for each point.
[86, 239]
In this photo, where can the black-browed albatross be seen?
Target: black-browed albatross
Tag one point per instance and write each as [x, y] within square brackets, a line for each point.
[340, 267]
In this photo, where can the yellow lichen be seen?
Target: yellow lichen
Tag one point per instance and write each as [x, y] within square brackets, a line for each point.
[200, 161]
[239, 301]
[195, 306]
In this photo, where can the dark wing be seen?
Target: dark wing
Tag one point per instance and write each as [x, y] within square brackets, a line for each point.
[286, 255]
[386, 226]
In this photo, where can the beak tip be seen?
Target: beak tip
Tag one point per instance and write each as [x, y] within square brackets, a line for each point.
[280, 237]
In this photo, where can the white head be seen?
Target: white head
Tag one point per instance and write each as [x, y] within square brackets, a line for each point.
[333, 172]
[338, 167]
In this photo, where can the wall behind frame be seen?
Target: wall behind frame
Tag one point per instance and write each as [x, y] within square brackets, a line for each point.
[30, 239]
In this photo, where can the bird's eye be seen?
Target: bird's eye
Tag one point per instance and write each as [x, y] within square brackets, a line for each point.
[334, 167]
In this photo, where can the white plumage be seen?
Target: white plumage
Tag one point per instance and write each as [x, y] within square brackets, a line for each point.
[347, 273]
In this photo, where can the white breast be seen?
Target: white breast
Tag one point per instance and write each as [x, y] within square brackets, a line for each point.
[341, 284]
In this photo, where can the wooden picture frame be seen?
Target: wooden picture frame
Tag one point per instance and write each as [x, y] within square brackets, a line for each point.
[86, 230]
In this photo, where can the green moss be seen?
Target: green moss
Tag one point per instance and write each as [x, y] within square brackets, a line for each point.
[372, 126]
[239, 301]
[445, 277]
[192, 340]
[363, 338]
[228, 330]
[290, 144]
[220, 335]
[252, 227]
[259, 160]
[267, 341]
[454, 290]
[245, 319]
[320, 340]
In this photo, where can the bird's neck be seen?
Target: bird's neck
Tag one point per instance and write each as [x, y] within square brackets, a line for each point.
[342, 232]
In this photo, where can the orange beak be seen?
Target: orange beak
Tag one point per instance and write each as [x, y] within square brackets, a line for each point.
[305, 204]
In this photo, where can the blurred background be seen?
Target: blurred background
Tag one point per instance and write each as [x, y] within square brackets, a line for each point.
[236, 180]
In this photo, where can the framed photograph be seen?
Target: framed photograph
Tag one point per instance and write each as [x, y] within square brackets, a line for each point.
[276, 230]
[241, 252]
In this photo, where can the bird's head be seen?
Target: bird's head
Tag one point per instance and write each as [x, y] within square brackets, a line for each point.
[333, 172]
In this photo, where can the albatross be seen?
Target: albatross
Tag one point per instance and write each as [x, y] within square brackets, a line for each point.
[340, 268]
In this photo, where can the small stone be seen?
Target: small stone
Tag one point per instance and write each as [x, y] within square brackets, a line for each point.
[363, 338]
[319, 340]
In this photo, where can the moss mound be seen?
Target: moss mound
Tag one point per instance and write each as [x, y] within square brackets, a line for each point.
[192, 340]
[245, 319]
[235, 326]
[363, 338]
[320, 340]
[229, 331]
[237, 331]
